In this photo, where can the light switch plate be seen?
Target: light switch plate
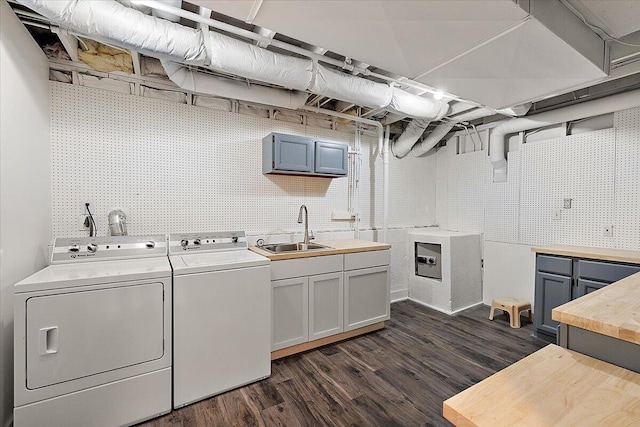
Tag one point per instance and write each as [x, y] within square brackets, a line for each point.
[557, 214]
[607, 231]
[567, 203]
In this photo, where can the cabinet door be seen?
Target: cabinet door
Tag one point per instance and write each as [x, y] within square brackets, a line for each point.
[588, 286]
[290, 302]
[331, 158]
[326, 305]
[292, 153]
[551, 291]
[366, 297]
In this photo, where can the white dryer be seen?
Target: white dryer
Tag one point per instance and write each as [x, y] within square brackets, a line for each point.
[221, 314]
[92, 334]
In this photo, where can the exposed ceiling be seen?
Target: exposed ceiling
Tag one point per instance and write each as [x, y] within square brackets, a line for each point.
[495, 53]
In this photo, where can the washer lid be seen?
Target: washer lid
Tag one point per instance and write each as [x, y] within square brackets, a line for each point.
[216, 261]
[95, 273]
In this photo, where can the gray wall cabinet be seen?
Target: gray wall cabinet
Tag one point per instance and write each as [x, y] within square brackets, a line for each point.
[301, 155]
[560, 279]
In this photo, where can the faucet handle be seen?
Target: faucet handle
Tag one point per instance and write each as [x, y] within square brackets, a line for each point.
[311, 236]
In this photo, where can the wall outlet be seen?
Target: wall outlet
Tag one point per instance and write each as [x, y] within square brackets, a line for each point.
[607, 231]
[557, 214]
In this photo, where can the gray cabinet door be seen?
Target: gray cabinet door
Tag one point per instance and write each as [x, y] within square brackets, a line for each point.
[552, 291]
[588, 286]
[292, 153]
[331, 158]
[326, 305]
[366, 297]
[290, 302]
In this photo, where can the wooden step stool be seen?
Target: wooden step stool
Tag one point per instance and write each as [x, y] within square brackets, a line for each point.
[513, 306]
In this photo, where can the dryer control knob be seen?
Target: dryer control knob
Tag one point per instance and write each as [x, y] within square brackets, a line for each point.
[74, 248]
[234, 239]
[196, 242]
[184, 242]
[92, 247]
[150, 244]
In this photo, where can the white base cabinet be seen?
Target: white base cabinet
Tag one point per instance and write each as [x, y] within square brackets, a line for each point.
[290, 302]
[367, 297]
[326, 305]
[318, 297]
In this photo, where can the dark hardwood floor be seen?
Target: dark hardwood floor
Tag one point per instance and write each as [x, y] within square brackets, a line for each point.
[398, 376]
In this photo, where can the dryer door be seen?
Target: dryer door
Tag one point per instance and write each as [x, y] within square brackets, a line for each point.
[78, 334]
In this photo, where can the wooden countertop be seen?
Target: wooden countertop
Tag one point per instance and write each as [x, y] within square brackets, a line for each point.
[335, 247]
[551, 387]
[613, 310]
[607, 254]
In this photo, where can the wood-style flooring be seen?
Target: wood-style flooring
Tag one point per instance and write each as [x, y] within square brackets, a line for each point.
[398, 376]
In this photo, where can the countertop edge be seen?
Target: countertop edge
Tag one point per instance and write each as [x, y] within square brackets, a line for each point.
[604, 254]
[375, 246]
[626, 330]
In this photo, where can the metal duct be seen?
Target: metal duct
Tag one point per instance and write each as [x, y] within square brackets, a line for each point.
[597, 107]
[113, 23]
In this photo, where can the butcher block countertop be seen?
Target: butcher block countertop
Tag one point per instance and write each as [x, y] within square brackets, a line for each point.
[551, 387]
[606, 254]
[613, 310]
[336, 247]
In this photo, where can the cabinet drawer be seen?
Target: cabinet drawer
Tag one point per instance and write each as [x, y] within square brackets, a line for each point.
[604, 271]
[306, 266]
[366, 259]
[554, 264]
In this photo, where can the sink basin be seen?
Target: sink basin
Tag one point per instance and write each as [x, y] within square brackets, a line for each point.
[278, 248]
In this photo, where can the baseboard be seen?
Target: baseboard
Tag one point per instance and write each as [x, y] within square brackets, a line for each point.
[450, 313]
[399, 295]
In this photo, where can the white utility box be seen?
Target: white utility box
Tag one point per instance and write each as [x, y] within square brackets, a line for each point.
[445, 269]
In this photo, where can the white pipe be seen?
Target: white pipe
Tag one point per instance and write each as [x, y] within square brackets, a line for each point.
[385, 185]
[383, 150]
[414, 130]
[597, 107]
[198, 82]
[434, 137]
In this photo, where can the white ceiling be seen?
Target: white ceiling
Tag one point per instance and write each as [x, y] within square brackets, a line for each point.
[617, 17]
[488, 51]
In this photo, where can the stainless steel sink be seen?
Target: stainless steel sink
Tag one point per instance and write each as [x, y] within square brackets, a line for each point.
[278, 248]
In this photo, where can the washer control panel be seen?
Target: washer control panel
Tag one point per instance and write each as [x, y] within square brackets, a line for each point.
[80, 249]
[207, 242]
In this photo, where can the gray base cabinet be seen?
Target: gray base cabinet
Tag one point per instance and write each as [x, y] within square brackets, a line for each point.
[560, 279]
[316, 297]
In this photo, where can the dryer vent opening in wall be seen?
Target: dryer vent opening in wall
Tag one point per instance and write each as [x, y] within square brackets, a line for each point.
[428, 260]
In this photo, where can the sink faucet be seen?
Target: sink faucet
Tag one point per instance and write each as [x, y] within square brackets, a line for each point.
[306, 223]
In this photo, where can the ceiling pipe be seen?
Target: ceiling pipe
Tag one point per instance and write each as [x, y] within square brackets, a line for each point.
[117, 24]
[414, 130]
[197, 82]
[497, 154]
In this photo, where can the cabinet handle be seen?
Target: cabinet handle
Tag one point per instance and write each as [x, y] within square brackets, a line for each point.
[48, 340]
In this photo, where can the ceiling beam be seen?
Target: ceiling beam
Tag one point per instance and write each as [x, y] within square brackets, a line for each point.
[69, 42]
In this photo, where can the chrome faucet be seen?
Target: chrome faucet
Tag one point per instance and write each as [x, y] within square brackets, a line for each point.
[306, 225]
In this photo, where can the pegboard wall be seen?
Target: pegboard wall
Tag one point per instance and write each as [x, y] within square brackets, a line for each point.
[178, 168]
[626, 228]
[599, 171]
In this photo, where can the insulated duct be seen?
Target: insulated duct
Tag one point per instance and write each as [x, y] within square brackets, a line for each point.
[198, 82]
[600, 106]
[113, 23]
[407, 141]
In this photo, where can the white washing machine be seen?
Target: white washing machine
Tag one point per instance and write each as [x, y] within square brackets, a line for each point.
[221, 314]
[92, 334]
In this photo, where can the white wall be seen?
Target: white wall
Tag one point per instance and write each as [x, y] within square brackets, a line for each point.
[178, 168]
[598, 170]
[25, 199]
